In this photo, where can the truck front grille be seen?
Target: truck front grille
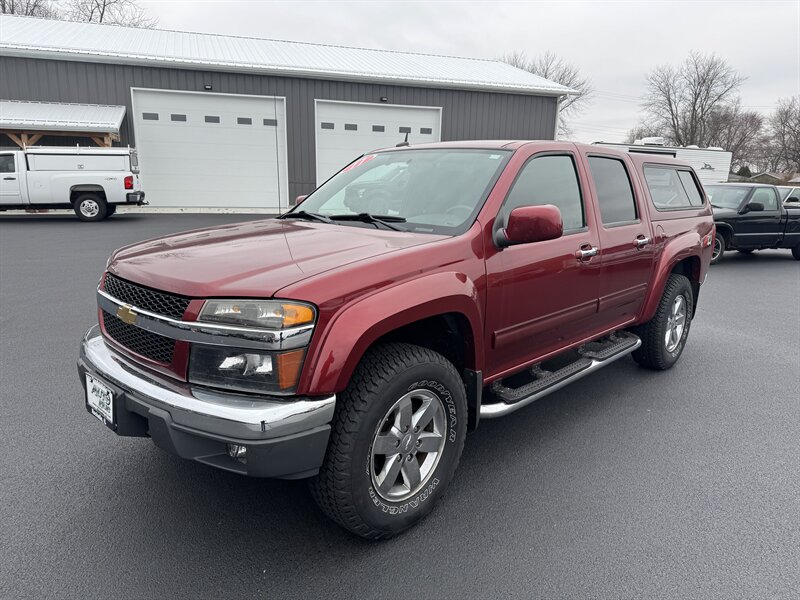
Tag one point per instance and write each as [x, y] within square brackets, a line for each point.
[169, 305]
[145, 343]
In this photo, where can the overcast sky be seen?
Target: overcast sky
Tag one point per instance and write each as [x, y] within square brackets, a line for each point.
[613, 43]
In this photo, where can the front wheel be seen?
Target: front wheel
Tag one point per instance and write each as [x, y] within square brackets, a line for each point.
[664, 336]
[396, 440]
[90, 207]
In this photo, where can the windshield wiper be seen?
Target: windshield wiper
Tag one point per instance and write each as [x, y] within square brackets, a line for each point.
[308, 216]
[384, 220]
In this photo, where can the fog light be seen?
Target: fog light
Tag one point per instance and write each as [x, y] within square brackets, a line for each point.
[237, 451]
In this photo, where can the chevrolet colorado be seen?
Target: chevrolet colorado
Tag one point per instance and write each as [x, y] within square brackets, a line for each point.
[357, 338]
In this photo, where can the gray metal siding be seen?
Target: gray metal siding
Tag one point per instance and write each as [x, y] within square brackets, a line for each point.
[465, 114]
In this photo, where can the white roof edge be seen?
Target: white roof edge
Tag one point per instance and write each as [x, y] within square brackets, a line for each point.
[122, 59]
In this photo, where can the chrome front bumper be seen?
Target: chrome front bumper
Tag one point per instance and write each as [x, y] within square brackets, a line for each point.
[198, 423]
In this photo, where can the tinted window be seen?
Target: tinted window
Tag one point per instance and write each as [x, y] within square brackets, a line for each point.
[767, 197]
[271, 122]
[150, 116]
[244, 120]
[326, 125]
[614, 192]
[378, 128]
[212, 119]
[666, 189]
[175, 117]
[7, 163]
[350, 127]
[690, 185]
[549, 180]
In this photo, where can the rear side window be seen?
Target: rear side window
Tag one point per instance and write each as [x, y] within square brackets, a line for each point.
[549, 180]
[614, 191]
[666, 189]
[690, 185]
[7, 163]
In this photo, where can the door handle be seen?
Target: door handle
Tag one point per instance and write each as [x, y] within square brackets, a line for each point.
[586, 252]
[10, 178]
[641, 241]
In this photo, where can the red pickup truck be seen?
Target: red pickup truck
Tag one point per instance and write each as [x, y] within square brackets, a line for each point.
[357, 338]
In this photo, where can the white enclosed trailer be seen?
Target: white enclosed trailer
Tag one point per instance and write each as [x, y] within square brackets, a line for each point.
[712, 165]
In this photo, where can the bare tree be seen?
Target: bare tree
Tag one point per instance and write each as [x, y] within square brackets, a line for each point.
[785, 126]
[681, 100]
[29, 8]
[739, 131]
[114, 12]
[556, 69]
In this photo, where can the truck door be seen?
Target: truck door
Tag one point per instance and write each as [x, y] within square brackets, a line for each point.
[762, 228]
[626, 239]
[542, 296]
[9, 179]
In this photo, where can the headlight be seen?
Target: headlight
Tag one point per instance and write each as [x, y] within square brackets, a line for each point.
[245, 370]
[269, 314]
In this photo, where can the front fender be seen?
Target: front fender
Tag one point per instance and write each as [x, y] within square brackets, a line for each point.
[353, 330]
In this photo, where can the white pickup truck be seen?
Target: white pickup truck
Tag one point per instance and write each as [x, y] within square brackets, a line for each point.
[91, 181]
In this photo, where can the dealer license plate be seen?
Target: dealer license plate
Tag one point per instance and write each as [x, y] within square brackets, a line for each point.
[100, 399]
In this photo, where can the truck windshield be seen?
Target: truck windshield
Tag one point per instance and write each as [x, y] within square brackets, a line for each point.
[723, 196]
[437, 191]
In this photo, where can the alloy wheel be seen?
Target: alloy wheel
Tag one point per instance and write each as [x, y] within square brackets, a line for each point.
[408, 445]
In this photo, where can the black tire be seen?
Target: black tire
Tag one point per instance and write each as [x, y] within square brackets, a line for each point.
[112, 208]
[718, 250]
[746, 251]
[654, 352]
[345, 487]
[796, 252]
[90, 207]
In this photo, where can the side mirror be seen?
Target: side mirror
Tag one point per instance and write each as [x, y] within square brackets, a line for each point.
[753, 206]
[793, 199]
[527, 224]
[299, 199]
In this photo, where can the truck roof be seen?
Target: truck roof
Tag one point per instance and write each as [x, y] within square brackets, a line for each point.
[638, 158]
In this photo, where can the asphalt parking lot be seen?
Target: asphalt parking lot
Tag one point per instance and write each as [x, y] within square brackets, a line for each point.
[628, 483]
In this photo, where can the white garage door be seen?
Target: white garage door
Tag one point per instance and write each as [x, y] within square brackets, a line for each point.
[211, 150]
[345, 130]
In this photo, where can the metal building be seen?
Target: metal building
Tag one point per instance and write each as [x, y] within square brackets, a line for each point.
[222, 121]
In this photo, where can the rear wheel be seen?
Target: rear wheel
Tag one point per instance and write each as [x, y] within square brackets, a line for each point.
[112, 208]
[90, 207]
[664, 336]
[796, 252]
[718, 249]
[396, 440]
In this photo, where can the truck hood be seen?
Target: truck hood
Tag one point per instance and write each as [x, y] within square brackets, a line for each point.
[253, 259]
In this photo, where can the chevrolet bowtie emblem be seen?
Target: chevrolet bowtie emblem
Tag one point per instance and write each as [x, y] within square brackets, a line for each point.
[126, 314]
